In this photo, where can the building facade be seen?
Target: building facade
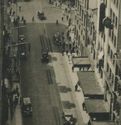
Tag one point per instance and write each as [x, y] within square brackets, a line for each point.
[85, 20]
[98, 28]
[107, 47]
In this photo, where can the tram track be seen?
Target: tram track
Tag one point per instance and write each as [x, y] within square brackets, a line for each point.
[45, 43]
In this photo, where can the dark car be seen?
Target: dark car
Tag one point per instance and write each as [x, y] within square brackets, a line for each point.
[22, 51]
[26, 106]
[41, 15]
[45, 56]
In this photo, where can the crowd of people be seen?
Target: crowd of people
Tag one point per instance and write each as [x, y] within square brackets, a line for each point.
[13, 16]
[65, 44]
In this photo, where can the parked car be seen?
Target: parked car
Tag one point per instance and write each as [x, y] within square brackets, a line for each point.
[41, 15]
[23, 51]
[26, 106]
[21, 38]
[45, 56]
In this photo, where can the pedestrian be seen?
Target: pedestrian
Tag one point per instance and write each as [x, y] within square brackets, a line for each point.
[16, 101]
[33, 19]
[17, 90]
[76, 87]
[89, 122]
[13, 13]
[66, 52]
[77, 52]
[24, 22]
[62, 18]
[65, 9]
[10, 12]
[67, 17]
[19, 8]
[62, 52]
[29, 47]
[83, 105]
[56, 22]
[18, 18]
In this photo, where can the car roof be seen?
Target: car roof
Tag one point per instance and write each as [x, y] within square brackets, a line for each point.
[26, 100]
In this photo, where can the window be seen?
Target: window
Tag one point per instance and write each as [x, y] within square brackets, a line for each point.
[87, 4]
[82, 14]
[116, 21]
[111, 54]
[104, 37]
[114, 41]
[111, 13]
[108, 49]
[107, 67]
[112, 36]
[112, 78]
[113, 20]
[77, 21]
[117, 3]
[110, 73]
[80, 11]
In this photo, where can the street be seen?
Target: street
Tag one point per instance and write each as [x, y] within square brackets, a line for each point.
[35, 84]
[47, 84]
[34, 78]
[60, 62]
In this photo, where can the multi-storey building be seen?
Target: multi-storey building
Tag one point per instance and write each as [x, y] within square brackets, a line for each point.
[86, 24]
[98, 27]
[107, 49]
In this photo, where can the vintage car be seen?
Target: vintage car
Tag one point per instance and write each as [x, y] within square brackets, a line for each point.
[26, 106]
[41, 15]
[45, 56]
[21, 38]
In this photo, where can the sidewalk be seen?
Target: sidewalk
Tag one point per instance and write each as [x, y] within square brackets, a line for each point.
[66, 80]
[78, 96]
[17, 117]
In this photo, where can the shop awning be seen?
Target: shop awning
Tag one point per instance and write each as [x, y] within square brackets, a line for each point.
[81, 62]
[97, 109]
[95, 105]
[103, 123]
[89, 85]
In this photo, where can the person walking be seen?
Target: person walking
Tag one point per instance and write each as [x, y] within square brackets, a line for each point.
[19, 8]
[29, 47]
[62, 18]
[33, 19]
[76, 87]
[22, 19]
[24, 22]
[67, 17]
[89, 122]
[56, 22]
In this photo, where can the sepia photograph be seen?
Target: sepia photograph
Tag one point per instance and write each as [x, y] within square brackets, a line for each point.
[60, 62]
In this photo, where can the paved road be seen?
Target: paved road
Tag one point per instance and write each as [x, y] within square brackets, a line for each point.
[38, 80]
[34, 78]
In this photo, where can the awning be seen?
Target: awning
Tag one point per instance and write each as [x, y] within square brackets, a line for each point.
[103, 123]
[95, 105]
[89, 85]
[81, 62]
[97, 109]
